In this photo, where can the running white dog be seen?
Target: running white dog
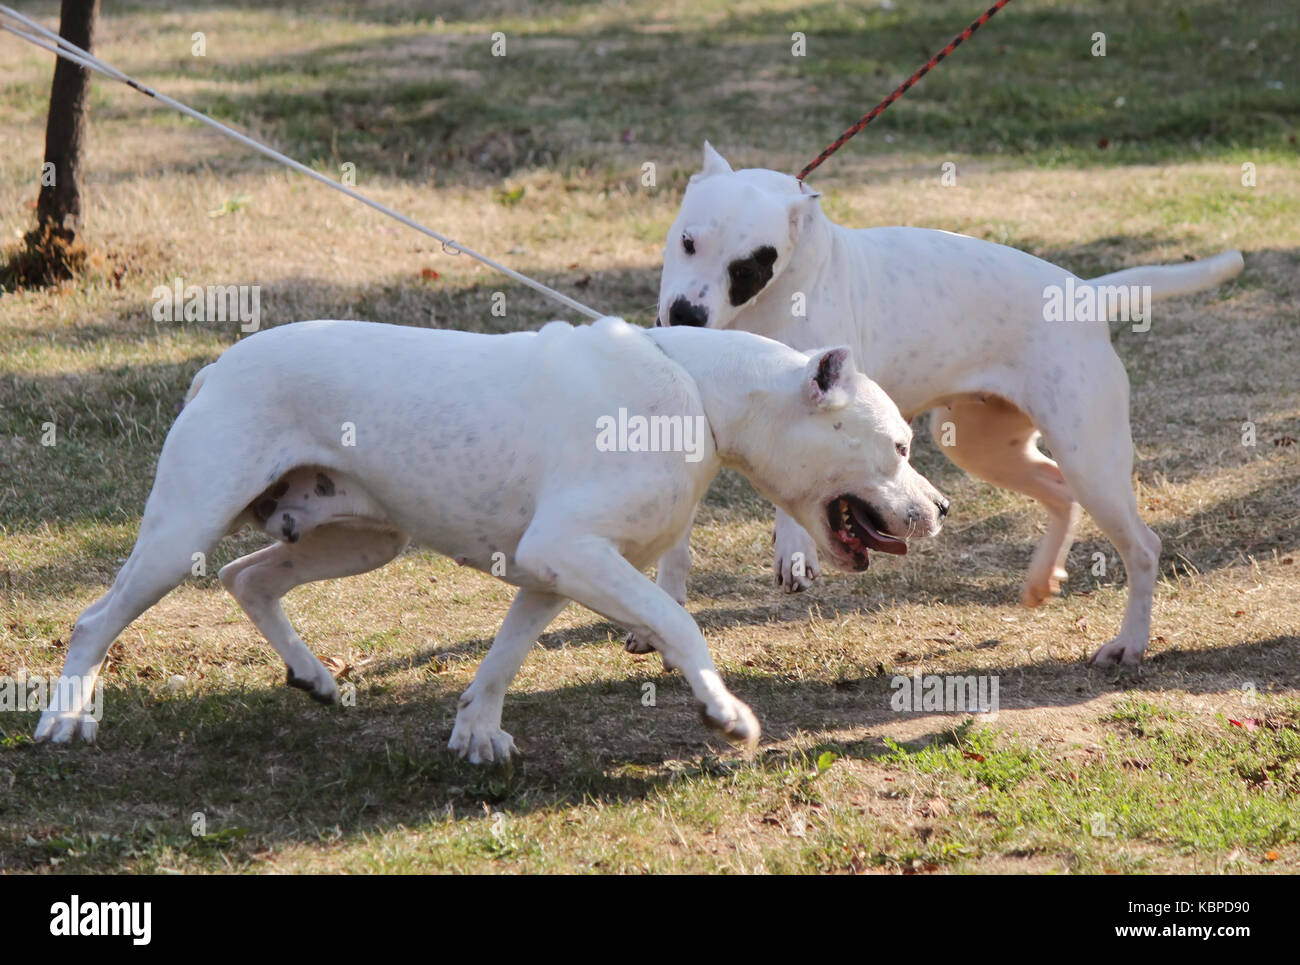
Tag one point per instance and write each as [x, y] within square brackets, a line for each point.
[998, 345]
[564, 460]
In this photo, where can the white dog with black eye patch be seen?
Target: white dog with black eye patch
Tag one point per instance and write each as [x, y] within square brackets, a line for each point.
[999, 347]
[344, 440]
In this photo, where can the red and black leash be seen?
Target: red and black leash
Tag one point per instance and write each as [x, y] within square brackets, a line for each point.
[903, 88]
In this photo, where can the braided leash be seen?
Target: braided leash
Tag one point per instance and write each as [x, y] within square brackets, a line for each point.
[902, 88]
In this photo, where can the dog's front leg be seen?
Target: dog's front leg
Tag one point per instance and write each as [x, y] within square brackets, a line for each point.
[477, 733]
[589, 570]
[670, 576]
[795, 561]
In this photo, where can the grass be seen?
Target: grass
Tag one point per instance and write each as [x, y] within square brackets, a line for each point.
[537, 158]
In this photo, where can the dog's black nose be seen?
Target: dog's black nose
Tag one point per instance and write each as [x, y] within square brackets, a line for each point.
[943, 506]
[682, 312]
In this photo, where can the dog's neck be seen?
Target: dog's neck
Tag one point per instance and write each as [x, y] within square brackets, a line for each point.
[744, 380]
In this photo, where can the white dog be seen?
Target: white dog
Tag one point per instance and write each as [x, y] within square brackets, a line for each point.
[999, 346]
[565, 460]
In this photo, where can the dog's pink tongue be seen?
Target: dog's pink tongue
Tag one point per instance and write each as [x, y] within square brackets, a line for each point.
[878, 540]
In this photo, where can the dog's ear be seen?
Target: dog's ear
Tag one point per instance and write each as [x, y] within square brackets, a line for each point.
[713, 163]
[802, 207]
[828, 378]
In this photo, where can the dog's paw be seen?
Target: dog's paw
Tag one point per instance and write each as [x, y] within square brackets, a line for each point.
[482, 747]
[638, 644]
[1125, 652]
[58, 727]
[633, 643]
[795, 563]
[1039, 588]
[318, 682]
[477, 733]
[734, 721]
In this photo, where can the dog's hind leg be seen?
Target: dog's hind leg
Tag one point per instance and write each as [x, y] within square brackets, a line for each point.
[258, 581]
[1098, 465]
[992, 439]
[477, 733]
[200, 489]
[162, 557]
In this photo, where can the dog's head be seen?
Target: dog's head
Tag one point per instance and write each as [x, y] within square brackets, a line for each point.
[734, 234]
[841, 468]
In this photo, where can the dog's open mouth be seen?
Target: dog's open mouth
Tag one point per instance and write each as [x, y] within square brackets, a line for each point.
[858, 528]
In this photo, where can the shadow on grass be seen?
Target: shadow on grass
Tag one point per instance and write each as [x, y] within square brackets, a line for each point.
[281, 770]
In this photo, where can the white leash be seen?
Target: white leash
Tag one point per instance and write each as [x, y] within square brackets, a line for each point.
[70, 51]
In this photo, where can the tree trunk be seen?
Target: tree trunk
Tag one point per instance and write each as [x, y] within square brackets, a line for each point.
[50, 253]
[58, 209]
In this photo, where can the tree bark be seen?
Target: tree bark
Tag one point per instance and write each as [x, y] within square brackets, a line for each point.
[58, 208]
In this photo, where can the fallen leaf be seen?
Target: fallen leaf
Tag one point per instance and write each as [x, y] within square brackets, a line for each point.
[336, 665]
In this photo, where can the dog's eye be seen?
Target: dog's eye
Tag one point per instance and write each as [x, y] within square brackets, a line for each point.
[901, 449]
[688, 244]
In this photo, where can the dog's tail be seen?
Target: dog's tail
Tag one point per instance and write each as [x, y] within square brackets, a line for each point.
[1170, 281]
[197, 384]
